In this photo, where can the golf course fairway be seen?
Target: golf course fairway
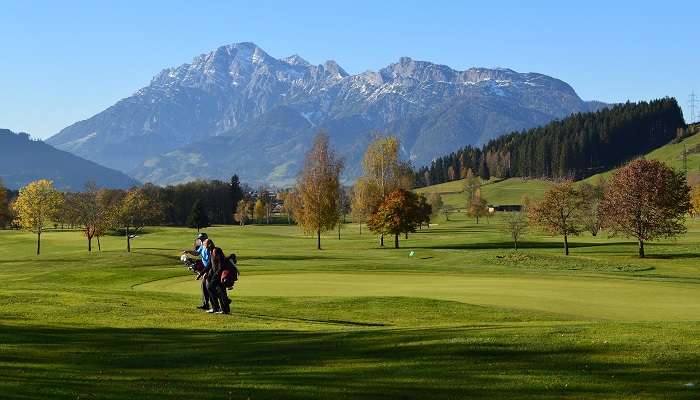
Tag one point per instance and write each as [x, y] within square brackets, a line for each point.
[454, 313]
[584, 297]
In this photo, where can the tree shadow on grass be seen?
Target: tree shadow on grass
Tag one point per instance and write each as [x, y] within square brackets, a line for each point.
[290, 257]
[452, 231]
[440, 363]
[509, 245]
[319, 321]
[672, 256]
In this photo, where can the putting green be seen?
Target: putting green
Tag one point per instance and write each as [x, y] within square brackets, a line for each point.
[582, 297]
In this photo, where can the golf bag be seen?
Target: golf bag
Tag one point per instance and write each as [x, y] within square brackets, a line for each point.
[196, 266]
[229, 275]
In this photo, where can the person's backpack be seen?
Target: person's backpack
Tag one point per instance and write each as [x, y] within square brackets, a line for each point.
[229, 275]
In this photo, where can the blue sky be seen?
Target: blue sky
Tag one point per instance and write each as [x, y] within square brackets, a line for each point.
[65, 61]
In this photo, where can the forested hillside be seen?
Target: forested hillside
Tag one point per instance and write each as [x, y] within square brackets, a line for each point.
[24, 160]
[578, 146]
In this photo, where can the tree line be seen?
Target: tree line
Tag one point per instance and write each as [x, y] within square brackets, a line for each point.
[576, 147]
[97, 211]
[644, 200]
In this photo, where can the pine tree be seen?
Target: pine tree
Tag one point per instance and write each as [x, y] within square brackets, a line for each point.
[576, 147]
[4, 206]
[236, 191]
[198, 217]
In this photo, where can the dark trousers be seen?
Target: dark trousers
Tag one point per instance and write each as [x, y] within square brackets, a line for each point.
[217, 295]
[205, 293]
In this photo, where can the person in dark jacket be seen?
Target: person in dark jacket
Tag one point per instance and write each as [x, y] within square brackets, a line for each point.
[217, 292]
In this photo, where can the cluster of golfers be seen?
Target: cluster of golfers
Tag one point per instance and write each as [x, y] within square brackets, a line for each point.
[216, 271]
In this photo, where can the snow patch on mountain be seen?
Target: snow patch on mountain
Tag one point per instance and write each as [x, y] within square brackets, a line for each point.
[262, 110]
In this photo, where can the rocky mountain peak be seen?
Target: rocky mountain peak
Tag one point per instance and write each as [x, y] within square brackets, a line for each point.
[335, 70]
[263, 112]
[295, 59]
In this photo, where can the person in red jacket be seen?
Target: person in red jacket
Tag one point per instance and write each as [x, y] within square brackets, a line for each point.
[217, 292]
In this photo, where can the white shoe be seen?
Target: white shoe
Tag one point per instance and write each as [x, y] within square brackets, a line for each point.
[213, 311]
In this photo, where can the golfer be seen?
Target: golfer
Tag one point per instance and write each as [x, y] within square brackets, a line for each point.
[201, 251]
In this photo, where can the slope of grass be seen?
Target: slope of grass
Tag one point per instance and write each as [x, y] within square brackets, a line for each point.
[463, 318]
[511, 191]
[672, 155]
[507, 191]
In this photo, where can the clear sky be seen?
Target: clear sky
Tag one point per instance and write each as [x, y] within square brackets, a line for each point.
[64, 61]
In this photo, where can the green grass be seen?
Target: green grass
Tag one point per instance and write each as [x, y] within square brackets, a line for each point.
[511, 191]
[465, 318]
[507, 191]
[672, 155]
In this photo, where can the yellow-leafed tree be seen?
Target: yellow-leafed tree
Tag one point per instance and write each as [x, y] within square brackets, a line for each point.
[37, 204]
[695, 200]
[365, 198]
[384, 172]
[135, 212]
[317, 187]
[259, 210]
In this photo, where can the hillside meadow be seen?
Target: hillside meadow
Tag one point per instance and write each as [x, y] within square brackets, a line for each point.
[495, 191]
[672, 155]
[464, 317]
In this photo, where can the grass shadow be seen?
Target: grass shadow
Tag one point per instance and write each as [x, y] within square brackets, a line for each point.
[289, 257]
[444, 363]
[672, 256]
[496, 245]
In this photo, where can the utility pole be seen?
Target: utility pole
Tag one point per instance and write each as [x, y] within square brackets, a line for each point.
[692, 102]
[685, 160]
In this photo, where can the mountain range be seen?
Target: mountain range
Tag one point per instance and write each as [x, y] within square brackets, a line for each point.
[239, 110]
[29, 160]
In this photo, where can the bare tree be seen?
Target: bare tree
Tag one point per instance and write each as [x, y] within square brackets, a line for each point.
[593, 196]
[88, 212]
[515, 224]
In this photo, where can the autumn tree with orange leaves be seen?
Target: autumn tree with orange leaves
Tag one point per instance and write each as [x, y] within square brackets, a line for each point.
[646, 200]
[400, 212]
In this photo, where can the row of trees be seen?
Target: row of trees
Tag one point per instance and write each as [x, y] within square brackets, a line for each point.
[381, 198]
[652, 197]
[95, 211]
[575, 147]
[218, 199]
[645, 200]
